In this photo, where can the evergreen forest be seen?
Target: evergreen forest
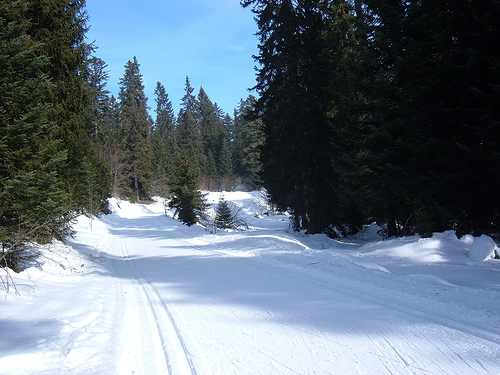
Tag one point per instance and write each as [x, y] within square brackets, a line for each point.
[371, 110]
[378, 110]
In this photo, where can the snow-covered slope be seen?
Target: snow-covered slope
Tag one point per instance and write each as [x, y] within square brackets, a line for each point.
[138, 292]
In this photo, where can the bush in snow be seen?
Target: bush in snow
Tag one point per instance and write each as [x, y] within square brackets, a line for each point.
[482, 248]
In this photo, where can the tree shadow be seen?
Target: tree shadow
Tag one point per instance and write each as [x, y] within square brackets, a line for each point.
[20, 336]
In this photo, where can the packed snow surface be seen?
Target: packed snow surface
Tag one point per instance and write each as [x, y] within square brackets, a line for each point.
[137, 292]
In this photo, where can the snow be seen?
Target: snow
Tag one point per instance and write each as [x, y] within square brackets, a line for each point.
[138, 292]
[482, 248]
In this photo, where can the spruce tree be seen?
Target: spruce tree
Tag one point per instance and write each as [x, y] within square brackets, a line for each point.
[290, 80]
[33, 202]
[99, 100]
[187, 200]
[60, 27]
[344, 59]
[210, 169]
[188, 135]
[97, 166]
[133, 134]
[382, 110]
[226, 163]
[165, 120]
[249, 139]
[212, 133]
[163, 142]
[223, 214]
[433, 62]
[449, 94]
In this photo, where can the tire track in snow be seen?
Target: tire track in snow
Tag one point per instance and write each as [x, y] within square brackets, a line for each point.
[174, 354]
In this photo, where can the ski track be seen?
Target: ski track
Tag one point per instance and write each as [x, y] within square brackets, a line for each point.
[172, 336]
[159, 331]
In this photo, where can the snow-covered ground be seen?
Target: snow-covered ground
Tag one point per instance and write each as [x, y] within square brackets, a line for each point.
[136, 292]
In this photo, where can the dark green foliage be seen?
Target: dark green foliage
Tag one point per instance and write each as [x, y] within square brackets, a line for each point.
[223, 215]
[433, 109]
[248, 140]
[295, 153]
[165, 120]
[210, 168]
[206, 133]
[60, 27]
[187, 200]
[212, 132]
[49, 169]
[99, 101]
[227, 215]
[32, 197]
[163, 143]
[133, 132]
[98, 182]
[188, 130]
[226, 163]
[97, 166]
[381, 109]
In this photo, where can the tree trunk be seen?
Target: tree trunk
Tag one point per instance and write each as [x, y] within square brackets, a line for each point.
[391, 222]
[136, 188]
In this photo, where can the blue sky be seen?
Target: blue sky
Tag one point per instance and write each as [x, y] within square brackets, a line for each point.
[211, 41]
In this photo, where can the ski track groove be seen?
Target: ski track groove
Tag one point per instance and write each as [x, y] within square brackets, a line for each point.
[163, 320]
[162, 303]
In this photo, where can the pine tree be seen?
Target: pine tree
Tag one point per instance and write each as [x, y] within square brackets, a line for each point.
[188, 135]
[187, 200]
[99, 102]
[223, 214]
[290, 80]
[60, 27]
[163, 142]
[212, 133]
[134, 130]
[249, 139]
[32, 198]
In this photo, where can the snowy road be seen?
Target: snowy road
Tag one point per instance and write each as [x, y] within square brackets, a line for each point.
[198, 309]
[168, 299]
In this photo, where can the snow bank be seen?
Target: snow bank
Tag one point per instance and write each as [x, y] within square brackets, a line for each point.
[370, 232]
[482, 248]
[437, 249]
[129, 210]
[440, 248]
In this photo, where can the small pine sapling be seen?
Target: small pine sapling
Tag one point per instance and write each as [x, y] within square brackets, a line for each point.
[228, 216]
[223, 215]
